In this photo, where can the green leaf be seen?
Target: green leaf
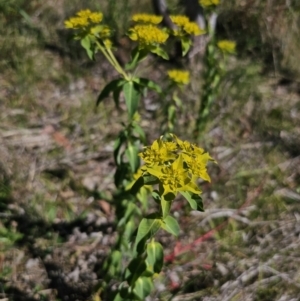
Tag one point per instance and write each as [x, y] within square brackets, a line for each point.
[116, 95]
[86, 44]
[149, 84]
[124, 291]
[132, 97]
[160, 52]
[120, 140]
[114, 86]
[98, 29]
[135, 269]
[143, 287]
[155, 256]
[26, 17]
[186, 44]
[194, 200]
[123, 169]
[138, 184]
[129, 230]
[140, 133]
[113, 264]
[118, 297]
[165, 206]
[141, 181]
[133, 158]
[170, 224]
[171, 112]
[150, 180]
[177, 100]
[143, 198]
[137, 55]
[156, 196]
[129, 211]
[147, 228]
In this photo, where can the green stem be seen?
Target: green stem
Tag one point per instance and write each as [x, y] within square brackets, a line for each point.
[116, 64]
[112, 60]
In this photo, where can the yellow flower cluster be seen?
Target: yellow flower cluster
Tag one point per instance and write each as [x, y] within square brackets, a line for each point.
[208, 3]
[227, 46]
[100, 31]
[84, 18]
[185, 26]
[176, 164]
[147, 18]
[88, 23]
[180, 20]
[147, 35]
[179, 77]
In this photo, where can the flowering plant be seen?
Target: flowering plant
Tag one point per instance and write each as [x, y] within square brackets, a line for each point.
[227, 46]
[171, 100]
[147, 18]
[176, 165]
[183, 30]
[172, 166]
[179, 77]
[215, 57]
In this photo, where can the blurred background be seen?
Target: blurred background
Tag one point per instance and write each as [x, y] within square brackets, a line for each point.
[56, 163]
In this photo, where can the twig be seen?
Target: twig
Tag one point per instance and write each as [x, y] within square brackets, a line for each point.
[283, 276]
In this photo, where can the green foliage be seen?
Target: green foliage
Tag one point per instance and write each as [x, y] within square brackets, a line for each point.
[11, 7]
[147, 229]
[8, 237]
[194, 200]
[131, 95]
[114, 87]
[143, 287]
[155, 256]
[171, 225]
[215, 58]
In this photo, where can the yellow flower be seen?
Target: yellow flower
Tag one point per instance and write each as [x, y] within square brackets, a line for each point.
[170, 146]
[84, 18]
[208, 3]
[227, 46]
[197, 166]
[184, 146]
[174, 176]
[192, 28]
[185, 26]
[107, 43]
[176, 164]
[158, 153]
[195, 158]
[93, 17]
[147, 35]
[101, 31]
[147, 18]
[96, 17]
[180, 20]
[88, 23]
[76, 23]
[84, 13]
[179, 77]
